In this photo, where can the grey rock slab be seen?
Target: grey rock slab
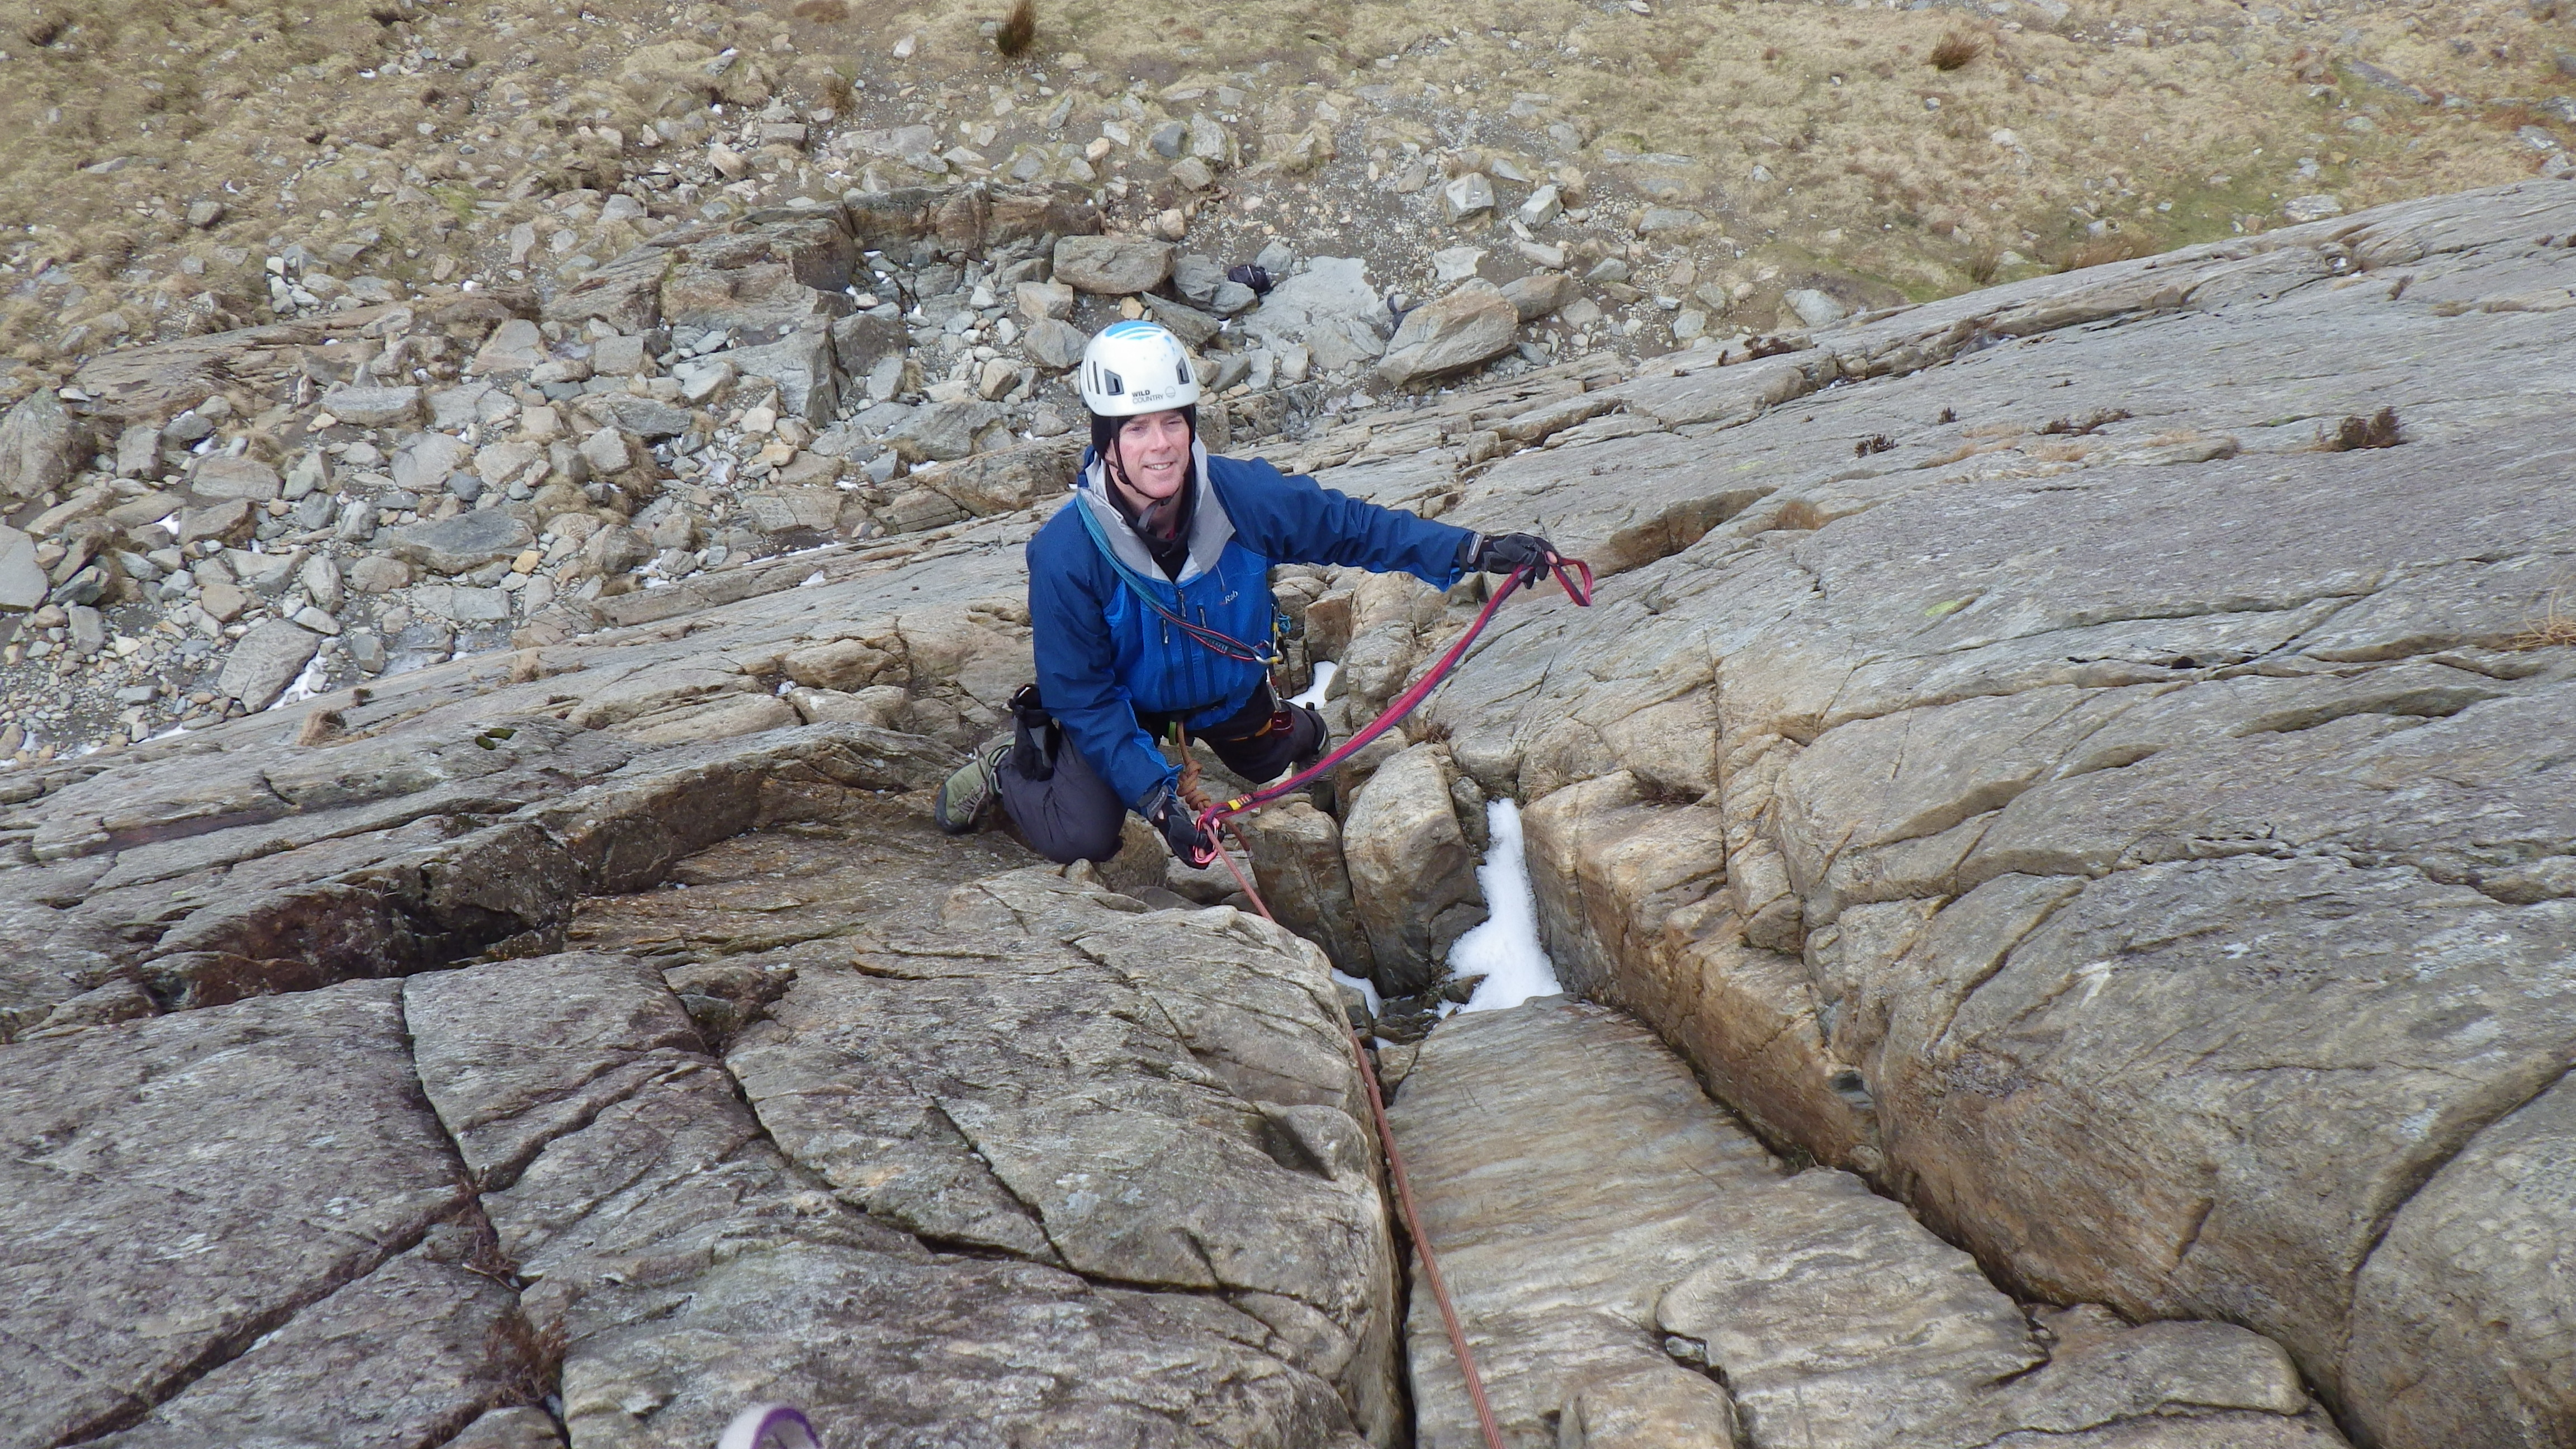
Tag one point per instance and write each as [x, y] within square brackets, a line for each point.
[2477, 1257]
[266, 660]
[422, 463]
[225, 1166]
[1815, 308]
[1054, 344]
[377, 574]
[963, 1350]
[1469, 195]
[23, 585]
[802, 365]
[138, 451]
[2296, 723]
[1412, 874]
[863, 339]
[1448, 334]
[1539, 294]
[606, 451]
[2285, 1188]
[944, 432]
[1567, 1169]
[514, 346]
[647, 418]
[463, 543]
[1330, 307]
[1194, 327]
[501, 1085]
[1594, 1212]
[1197, 277]
[1232, 299]
[373, 407]
[396, 1359]
[1112, 265]
[1189, 1124]
[678, 1256]
[220, 478]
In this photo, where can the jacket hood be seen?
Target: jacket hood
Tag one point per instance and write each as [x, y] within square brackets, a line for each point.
[1210, 528]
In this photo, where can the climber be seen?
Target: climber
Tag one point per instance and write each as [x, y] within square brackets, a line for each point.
[1149, 599]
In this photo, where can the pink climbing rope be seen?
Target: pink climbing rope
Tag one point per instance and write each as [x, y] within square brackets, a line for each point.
[1404, 1189]
[1567, 572]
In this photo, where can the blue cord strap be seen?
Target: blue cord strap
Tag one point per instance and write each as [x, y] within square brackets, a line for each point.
[1214, 641]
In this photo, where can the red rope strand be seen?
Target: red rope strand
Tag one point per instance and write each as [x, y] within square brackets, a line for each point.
[1485, 1421]
[1566, 570]
[1211, 817]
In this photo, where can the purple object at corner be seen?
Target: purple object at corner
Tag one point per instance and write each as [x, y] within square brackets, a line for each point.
[1249, 275]
[770, 1426]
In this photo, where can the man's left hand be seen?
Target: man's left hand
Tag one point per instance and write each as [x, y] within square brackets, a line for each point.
[1505, 553]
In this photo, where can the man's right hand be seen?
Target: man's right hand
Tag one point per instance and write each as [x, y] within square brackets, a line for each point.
[1171, 815]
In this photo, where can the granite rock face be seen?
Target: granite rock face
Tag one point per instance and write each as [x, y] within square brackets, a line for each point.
[2055, 775]
[1632, 1267]
[2038, 755]
[523, 1200]
[182, 1186]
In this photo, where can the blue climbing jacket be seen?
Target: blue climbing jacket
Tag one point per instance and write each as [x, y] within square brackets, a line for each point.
[1102, 655]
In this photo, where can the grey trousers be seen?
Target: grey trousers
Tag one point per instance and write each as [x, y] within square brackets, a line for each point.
[1063, 809]
[1066, 812]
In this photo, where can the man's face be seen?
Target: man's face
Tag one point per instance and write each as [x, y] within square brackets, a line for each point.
[1154, 448]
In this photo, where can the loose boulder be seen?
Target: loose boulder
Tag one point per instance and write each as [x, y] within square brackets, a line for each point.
[40, 446]
[945, 431]
[266, 661]
[1412, 875]
[373, 407]
[1448, 335]
[468, 541]
[1114, 266]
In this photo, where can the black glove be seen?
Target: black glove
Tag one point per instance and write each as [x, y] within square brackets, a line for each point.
[1503, 553]
[1168, 813]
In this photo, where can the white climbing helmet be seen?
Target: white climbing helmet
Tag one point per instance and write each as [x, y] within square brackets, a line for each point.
[1137, 367]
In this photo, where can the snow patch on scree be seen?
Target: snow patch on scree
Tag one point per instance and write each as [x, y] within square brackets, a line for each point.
[1505, 949]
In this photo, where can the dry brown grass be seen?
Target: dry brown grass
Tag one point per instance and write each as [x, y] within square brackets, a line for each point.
[1018, 28]
[2102, 251]
[2554, 629]
[2379, 430]
[1957, 50]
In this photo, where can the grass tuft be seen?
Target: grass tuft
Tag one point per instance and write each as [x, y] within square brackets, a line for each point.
[1956, 50]
[1018, 28]
[2555, 629]
[2103, 252]
[2379, 430]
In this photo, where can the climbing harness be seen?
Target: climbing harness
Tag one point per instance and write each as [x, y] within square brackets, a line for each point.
[1573, 575]
[769, 1426]
[1567, 571]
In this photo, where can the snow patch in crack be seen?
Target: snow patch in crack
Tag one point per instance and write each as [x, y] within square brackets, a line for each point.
[1505, 950]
